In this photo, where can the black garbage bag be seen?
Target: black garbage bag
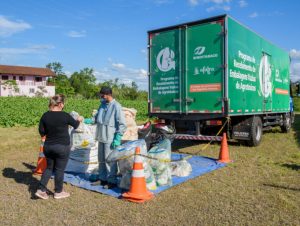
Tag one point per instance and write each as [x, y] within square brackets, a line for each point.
[154, 134]
[162, 132]
[146, 134]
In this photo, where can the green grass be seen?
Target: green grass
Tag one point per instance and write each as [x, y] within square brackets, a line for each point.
[297, 103]
[260, 187]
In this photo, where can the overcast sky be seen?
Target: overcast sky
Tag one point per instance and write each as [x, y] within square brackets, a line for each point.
[110, 36]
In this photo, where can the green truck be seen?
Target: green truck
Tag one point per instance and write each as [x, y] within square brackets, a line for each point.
[206, 73]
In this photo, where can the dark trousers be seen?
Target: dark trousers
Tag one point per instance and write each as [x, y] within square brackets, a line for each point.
[57, 156]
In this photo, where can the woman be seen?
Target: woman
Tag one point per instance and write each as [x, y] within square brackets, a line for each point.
[54, 125]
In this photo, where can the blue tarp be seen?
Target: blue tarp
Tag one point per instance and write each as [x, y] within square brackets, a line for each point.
[200, 165]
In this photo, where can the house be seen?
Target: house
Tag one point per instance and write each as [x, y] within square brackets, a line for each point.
[25, 81]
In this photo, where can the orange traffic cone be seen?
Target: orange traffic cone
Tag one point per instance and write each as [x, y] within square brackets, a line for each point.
[41, 163]
[138, 191]
[224, 153]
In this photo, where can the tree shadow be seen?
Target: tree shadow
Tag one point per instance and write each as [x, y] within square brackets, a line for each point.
[179, 144]
[272, 130]
[291, 166]
[282, 187]
[22, 178]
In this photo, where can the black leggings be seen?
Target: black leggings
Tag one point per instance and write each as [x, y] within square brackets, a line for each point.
[57, 156]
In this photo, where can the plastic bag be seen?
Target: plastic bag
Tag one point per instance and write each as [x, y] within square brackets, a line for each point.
[127, 149]
[161, 167]
[181, 168]
[144, 132]
[74, 114]
[84, 150]
[83, 137]
[125, 161]
[83, 160]
[125, 167]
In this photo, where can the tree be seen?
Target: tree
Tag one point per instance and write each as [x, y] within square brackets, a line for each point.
[84, 83]
[142, 95]
[63, 86]
[61, 81]
[134, 86]
[56, 67]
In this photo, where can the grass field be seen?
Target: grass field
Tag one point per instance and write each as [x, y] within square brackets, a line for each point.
[261, 187]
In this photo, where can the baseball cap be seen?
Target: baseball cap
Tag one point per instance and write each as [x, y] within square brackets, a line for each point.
[105, 91]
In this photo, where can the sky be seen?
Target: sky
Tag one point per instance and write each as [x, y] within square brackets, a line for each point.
[110, 36]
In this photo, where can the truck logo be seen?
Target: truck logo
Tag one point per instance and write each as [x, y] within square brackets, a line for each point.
[199, 50]
[165, 60]
[199, 53]
[204, 70]
[265, 76]
[277, 76]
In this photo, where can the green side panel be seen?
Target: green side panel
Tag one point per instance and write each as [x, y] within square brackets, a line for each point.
[204, 63]
[278, 100]
[258, 73]
[164, 71]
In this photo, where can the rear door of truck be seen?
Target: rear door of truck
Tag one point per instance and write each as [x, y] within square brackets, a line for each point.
[164, 64]
[186, 69]
[265, 71]
[204, 68]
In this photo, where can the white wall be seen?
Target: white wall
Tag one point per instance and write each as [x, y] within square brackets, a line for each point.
[28, 90]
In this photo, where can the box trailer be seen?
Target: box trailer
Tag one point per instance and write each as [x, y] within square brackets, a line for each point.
[208, 72]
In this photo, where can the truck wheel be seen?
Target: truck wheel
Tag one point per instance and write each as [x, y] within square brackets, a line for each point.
[287, 123]
[255, 132]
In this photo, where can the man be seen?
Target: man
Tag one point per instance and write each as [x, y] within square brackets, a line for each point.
[110, 128]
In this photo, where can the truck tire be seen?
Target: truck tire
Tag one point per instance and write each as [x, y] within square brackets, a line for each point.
[255, 132]
[287, 123]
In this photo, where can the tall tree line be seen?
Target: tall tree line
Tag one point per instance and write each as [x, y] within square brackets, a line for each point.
[83, 84]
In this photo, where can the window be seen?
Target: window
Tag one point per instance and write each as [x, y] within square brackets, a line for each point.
[31, 90]
[14, 78]
[4, 77]
[38, 79]
[21, 78]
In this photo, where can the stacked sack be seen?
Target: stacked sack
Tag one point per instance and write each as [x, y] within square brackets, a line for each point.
[83, 161]
[132, 129]
[84, 149]
[158, 169]
[124, 154]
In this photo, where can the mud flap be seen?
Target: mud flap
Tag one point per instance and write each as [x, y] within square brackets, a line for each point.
[241, 129]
